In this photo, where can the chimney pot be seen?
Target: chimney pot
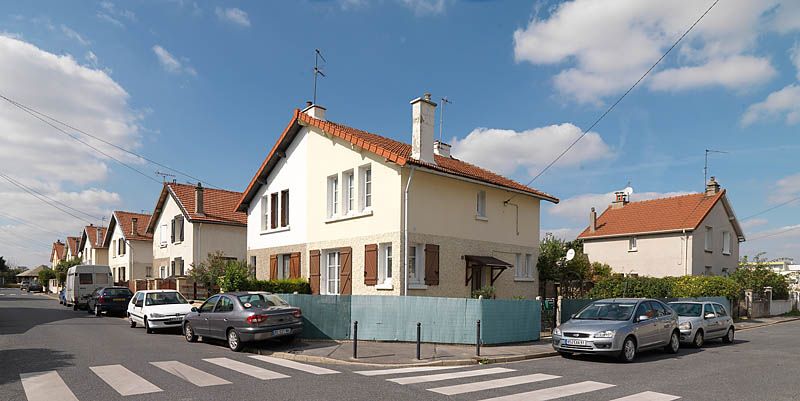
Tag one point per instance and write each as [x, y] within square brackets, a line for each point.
[134, 224]
[199, 206]
[712, 187]
[315, 110]
[423, 112]
[592, 221]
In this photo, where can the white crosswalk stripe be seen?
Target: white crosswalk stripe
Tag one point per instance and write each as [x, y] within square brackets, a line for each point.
[448, 376]
[190, 374]
[46, 386]
[553, 393]
[490, 384]
[123, 380]
[250, 370]
[648, 396]
[294, 365]
[383, 372]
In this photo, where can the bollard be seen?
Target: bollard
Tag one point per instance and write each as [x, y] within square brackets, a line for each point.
[478, 340]
[355, 339]
[419, 338]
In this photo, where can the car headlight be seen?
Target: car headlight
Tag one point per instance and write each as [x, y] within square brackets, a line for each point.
[556, 332]
[156, 315]
[685, 326]
[604, 334]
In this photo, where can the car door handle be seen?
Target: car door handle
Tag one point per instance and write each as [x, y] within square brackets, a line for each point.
[225, 319]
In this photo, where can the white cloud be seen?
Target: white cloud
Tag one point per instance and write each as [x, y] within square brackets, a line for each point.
[777, 242]
[567, 234]
[70, 33]
[425, 7]
[91, 58]
[576, 208]
[171, 64]
[785, 102]
[506, 151]
[233, 15]
[786, 188]
[602, 47]
[752, 223]
[111, 13]
[794, 54]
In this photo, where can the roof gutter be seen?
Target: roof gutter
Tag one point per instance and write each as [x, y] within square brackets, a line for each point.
[676, 230]
[488, 184]
[405, 231]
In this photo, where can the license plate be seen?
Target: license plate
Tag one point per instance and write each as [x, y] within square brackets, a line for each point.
[118, 299]
[574, 342]
[281, 332]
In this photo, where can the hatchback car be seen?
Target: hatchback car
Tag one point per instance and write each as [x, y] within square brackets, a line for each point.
[158, 309]
[109, 300]
[241, 317]
[703, 321]
[622, 327]
[35, 287]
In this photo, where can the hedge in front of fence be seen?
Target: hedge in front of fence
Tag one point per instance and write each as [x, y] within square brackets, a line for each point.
[666, 287]
[287, 286]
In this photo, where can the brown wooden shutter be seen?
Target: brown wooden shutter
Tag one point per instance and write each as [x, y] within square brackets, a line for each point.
[273, 200]
[346, 272]
[313, 268]
[370, 264]
[273, 267]
[294, 265]
[285, 208]
[181, 231]
[431, 264]
[172, 239]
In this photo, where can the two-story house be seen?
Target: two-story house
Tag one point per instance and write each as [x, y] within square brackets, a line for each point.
[358, 213]
[92, 251]
[190, 222]
[72, 250]
[695, 234]
[57, 253]
[130, 247]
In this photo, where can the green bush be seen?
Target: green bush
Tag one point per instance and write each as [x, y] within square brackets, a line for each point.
[487, 292]
[45, 275]
[235, 278]
[758, 277]
[666, 287]
[286, 286]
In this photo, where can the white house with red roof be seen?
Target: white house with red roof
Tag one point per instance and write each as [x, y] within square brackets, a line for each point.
[340, 207]
[57, 253]
[72, 250]
[92, 251]
[190, 222]
[694, 234]
[130, 246]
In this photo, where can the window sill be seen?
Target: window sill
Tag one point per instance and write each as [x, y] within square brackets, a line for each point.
[350, 216]
[633, 250]
[414, 286]
[709, 251]
[162, 246]
[726, 253]
[276, 230]
[525, 279]
[384, 286]
[481, 218]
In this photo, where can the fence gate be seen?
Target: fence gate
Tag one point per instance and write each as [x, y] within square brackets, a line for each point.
[549, 313]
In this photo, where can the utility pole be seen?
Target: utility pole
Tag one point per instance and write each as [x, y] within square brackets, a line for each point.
[705, 166]
[317, 71]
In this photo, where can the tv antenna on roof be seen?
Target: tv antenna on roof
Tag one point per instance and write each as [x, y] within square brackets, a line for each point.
[164, 175]
[317, 71]
[445, 101]
[705, 167]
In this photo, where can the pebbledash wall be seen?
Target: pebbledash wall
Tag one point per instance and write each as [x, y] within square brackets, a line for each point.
[443, 320]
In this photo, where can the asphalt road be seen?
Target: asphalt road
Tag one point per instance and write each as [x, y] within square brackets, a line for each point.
[59, 353]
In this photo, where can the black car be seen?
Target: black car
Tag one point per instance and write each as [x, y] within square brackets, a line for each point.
[35, 287]
[109, 299]
[24, 286]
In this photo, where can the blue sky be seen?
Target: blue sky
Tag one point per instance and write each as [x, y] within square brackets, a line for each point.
[207, 88]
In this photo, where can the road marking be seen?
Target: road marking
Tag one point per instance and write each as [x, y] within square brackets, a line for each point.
[294, 365]
[45, 386]
[250, 370]
[448, 376]
[405, 370]
[648, 396]
[490, 384]
[190, 374]
[123, 380]
[554, 392]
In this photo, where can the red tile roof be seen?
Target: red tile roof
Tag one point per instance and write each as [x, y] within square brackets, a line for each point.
[92, 232]
[125, 221]
[72, 244]
[219, 205]
[656, 215]
[392, 150]
[58, 250]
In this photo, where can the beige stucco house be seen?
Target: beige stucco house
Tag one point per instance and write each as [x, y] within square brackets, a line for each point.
[341, 207]
[92, 251]
[57, 253]
[695, 234]
[189, 222]
[130, 247]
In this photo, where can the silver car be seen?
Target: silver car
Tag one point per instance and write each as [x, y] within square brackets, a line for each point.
[703, 321]
[621, 327]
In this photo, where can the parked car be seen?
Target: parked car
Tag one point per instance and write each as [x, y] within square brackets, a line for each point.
[61, 296]
[703, 321]
[157, 309]
[241, 317]
[35, 287]
[622, 327]
[109, 300]
[81, 282]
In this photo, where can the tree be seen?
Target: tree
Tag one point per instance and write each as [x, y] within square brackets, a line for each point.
[553, 266]
[3, 265]
[236, 276]
[63, 266]
[756, 275]
[209, 271]
[45, 275]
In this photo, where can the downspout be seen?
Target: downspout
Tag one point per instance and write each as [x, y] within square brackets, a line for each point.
[405, 231]
[686, 253]
[506, 203]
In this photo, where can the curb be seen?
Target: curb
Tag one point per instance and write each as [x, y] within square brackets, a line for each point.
[767, 324]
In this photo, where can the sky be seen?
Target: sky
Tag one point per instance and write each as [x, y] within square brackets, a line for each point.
[207, 87]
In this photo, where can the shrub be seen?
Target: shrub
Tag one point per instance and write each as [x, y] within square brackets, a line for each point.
[45, 275]
[758, 277]
[487, 292]
[236, 277]
[286, 286]
[705, 286]
[666, 287]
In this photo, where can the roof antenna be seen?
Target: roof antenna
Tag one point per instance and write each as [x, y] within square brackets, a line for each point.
[705, 167]
[317, 71]
[445, 101]
[165, 175]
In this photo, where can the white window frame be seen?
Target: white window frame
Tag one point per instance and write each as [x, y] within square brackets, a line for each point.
[164, 237]
[114, 247]
[633, 244]
[416, 266]
[726, 242]
[523, 269]
[349, 192]
[335, 263]
[365, 187]
[709, 239]
[333, 196]
[162, 273]
[265, 212]
[480, 205]
[284, 266]
[385, 265]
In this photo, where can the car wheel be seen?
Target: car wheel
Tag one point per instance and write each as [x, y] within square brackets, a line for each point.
[133, 324]
[699, 339]
[147, 328]
[674, 343]
[97, 311]
[628, 353]
[567, 355]
[188, 332]
[728, 339]
[234, 341]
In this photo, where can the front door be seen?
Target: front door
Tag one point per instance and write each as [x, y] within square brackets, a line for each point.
[218, 321]
[206, 311]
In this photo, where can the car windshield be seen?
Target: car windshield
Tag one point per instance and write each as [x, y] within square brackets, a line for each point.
[117, 292]
[164, 298]
[261, 300]
[686, 309]
[606, 311]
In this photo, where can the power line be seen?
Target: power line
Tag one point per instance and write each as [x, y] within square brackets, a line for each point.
[771, 208]
[29, 223]
[797, 227]
[46, 199]
[635, 84]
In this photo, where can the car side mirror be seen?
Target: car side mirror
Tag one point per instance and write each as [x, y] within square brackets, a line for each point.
[643, 318]
[138, 304]
[194, 309]
[709, 316]
[572, 316]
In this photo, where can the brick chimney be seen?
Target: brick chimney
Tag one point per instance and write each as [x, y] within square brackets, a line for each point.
[199, 201]
[712, 187]
[592, 221]
[315, 110]
[620, 199]
[423, 112]
[134, 226]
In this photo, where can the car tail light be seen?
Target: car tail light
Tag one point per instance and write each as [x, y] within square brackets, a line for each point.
[101, 300]
[257, 319]
[298, 314]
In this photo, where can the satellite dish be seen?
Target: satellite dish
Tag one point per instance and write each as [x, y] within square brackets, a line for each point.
[628, 191]
[570, 254]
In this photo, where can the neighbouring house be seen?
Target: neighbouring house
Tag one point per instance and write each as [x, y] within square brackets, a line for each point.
[695, 234]
[340, 206]
[72, 248]
[58, 253]
[30, 275]
[92, 251]
[190, 222]
[130, 246]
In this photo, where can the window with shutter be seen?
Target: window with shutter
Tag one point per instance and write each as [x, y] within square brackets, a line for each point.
[181, 230]
[431, 264]
[371, 264]
[285, 208]
[265, 212]
[273, 210]
[294, 265]
[345, 277]
[314, 271]
[172, 234]
[273, 267]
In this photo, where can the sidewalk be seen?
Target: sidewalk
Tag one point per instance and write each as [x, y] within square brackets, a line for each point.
[749, 324]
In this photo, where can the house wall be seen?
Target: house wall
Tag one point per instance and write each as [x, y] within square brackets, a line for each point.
[170, 251]
[138, 256]
[100, 256]
[210, 238]
[717, 219]
[657, 255]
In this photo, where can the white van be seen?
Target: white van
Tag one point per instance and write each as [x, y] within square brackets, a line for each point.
[82, 280]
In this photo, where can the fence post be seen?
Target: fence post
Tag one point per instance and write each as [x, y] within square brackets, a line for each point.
[355, 339]
[478, 339]
[558, 311]
[419, 339]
